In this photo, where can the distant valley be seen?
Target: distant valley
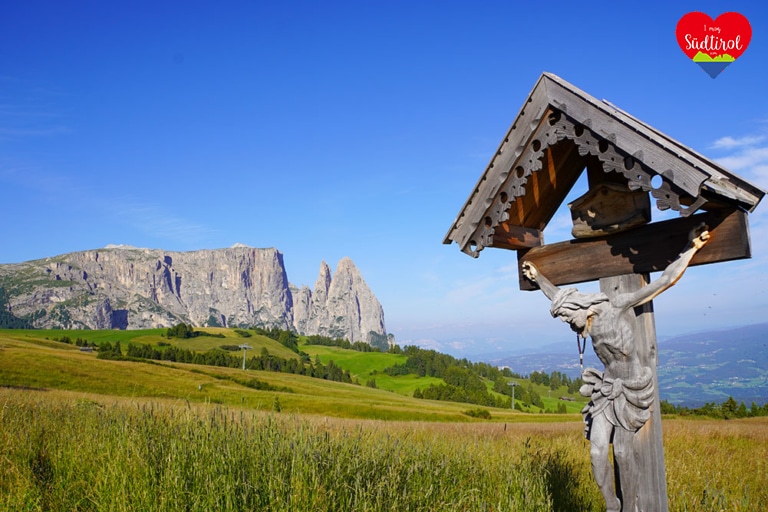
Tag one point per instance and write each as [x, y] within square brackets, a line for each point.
[693, 369]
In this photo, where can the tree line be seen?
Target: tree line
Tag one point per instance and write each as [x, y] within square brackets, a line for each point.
[431, 363]
[462, 385]
[464, 381]
[186, 331]
[555, 380]
[10, 321]
[729, 409]
[326, 341]
[217, 357]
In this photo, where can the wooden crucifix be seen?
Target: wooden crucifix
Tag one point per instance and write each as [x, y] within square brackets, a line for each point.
[614, 244]
[624, 397]
[560, 133]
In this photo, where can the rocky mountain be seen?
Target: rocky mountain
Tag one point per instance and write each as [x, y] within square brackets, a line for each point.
[121, 287]
[342, 306]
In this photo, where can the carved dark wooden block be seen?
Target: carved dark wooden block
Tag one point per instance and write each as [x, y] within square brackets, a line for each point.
[608, 208]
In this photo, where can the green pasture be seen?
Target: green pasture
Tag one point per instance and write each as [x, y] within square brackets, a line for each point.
[81, 433]
[137, 336]
[31, 358]
[366, 366]
[155, 336]
[359, 364]
[37, 363]
[370, 365]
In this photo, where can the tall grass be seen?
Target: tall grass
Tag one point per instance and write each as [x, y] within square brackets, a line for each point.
[63, 453]
[717, 464]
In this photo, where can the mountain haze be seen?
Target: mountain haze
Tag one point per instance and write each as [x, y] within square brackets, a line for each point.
[122, 287]
[693, 369]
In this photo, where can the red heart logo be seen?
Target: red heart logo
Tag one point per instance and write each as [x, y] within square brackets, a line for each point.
[713, 44]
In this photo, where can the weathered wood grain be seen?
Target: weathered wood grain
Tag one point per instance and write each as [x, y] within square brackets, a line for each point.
[608, 208]
[691, 181]
[645, 249]
[648, 444]
[508, 236]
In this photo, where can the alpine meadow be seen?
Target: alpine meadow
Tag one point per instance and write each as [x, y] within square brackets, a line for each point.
[87, 428]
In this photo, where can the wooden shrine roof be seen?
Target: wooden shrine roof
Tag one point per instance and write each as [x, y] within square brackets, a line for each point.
[560, 132]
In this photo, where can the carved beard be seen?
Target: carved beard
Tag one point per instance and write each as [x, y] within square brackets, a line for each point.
[582, 324]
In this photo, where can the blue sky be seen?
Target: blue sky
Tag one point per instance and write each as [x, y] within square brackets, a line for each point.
[331, 129]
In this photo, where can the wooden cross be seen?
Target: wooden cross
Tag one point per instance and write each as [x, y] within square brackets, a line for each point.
[559, 133]
[622, 263]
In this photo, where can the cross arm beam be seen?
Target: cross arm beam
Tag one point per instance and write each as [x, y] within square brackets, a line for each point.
[649, 248]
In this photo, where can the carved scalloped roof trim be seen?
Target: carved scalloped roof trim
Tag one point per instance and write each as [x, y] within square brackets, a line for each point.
[682, 168]
[509, 149]
[718, 179]
[558, 127]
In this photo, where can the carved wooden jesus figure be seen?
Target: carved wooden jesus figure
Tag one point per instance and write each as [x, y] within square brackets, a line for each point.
[622, 394]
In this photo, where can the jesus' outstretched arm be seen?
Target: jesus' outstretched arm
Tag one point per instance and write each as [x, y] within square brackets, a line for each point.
[532, 273]
[697, 238]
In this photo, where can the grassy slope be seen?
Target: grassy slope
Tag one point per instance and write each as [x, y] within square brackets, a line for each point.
[65, 452]
[711, 465]
[27, 359]
[31, 358]
[369, 365]
[155, 336]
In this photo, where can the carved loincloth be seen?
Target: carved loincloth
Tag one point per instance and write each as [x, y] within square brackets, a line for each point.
[624, 403]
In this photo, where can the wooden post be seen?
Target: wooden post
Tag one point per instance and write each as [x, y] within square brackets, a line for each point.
[648, 442]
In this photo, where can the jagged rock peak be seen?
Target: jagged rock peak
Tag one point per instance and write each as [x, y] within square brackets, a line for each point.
[323, 282]
[342, 306]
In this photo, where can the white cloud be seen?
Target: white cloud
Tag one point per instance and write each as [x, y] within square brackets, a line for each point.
[729, 142]
[461, 345]
[427, 344]
[488, 287]
[747, 157]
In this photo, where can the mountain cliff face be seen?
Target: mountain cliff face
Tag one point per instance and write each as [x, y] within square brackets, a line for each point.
[130, 288]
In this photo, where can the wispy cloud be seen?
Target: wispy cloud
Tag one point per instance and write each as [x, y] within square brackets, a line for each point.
[37, 180]
[729, 142]
[746, 158]
[8, 132]
[28, 109]
[155, 221]
[425, 343]
[146, 217]
[488, 287]
[747, 155]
